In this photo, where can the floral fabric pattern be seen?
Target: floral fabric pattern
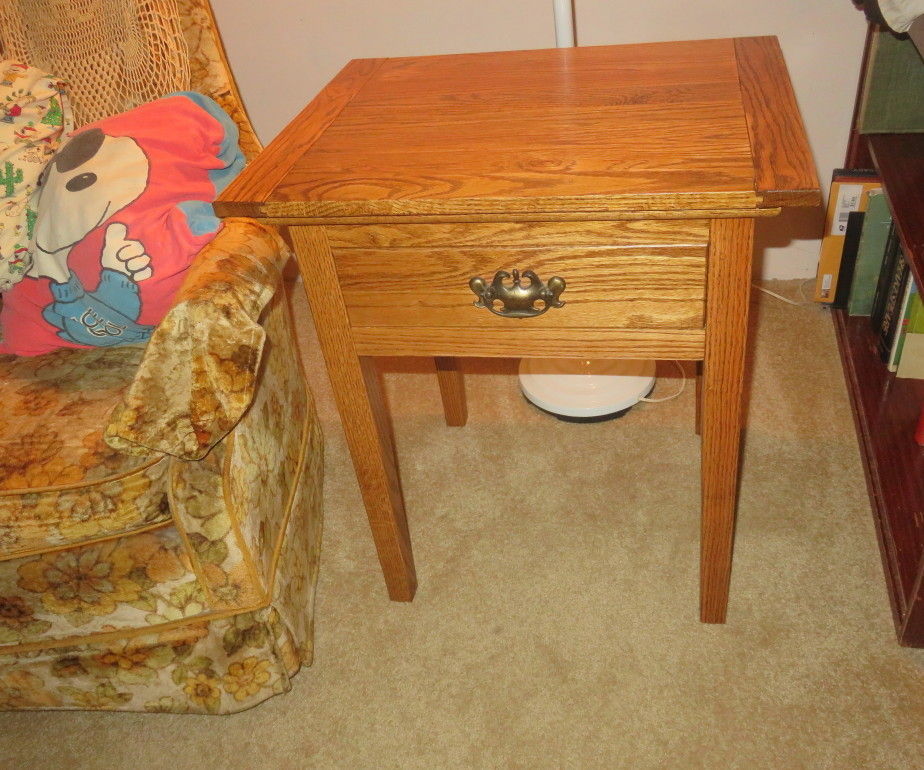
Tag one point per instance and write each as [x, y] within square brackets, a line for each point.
[33, 520]
[56, 407]
[222, 563]
[200, 368]
[223, 666]
[140, 580]
[60, 483]
[208, 609]
[279, 412]
[160, 507]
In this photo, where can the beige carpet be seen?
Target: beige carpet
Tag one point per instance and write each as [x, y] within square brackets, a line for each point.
[561, 630]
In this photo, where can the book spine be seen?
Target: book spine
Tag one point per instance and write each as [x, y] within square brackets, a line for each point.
[875, 240]
[919, 433]
[890, 318]
[884, 280]
[906, 311]
[849, 193]
[848, 259]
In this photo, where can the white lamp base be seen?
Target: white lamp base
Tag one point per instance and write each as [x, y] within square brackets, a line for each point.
[585, 391]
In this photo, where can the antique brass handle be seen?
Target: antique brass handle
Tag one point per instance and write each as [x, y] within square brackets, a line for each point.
[518, 300]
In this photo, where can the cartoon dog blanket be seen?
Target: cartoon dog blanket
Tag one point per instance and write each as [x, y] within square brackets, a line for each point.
[124, 207]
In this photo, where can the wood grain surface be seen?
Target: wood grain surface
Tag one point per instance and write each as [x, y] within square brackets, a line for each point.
[365, 418]
[617, 287]
[541, 125]
[523, 342]
[730, 257]
[407, 177]
[452, 391]
[784, 169]
[886, 410]
[696, 125]
[609, 215]
[687, 232]
[502, 208]
[272, 165]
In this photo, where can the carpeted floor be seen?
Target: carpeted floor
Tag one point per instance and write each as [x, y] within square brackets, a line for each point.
[560, 630]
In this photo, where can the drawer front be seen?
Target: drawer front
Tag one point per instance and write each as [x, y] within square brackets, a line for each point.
[619, 275]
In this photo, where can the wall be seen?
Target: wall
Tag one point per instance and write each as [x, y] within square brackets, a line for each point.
[284, 51]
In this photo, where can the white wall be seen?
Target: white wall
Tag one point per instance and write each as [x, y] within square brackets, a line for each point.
[284, 51]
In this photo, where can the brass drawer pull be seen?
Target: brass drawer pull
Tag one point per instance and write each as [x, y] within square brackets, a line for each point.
[518, 300]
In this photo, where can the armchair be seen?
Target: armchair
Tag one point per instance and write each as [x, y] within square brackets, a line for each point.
[159, 506]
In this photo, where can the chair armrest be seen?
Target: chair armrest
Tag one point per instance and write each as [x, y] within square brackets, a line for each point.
[200, 367]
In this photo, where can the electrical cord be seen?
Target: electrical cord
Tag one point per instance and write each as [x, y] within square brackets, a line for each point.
[805, 302]
[683, 374]
[683, 384]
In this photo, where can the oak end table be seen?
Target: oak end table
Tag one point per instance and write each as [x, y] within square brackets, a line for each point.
[592, 202]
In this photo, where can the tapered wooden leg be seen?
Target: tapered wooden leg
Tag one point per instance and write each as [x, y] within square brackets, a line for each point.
[699, 398]
[452, 391]
[729, 285]
[358, 393]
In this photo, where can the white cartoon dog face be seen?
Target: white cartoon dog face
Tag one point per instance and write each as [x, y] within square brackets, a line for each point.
[91, 178]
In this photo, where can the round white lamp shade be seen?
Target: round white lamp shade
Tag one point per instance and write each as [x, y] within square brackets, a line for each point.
[585, 391]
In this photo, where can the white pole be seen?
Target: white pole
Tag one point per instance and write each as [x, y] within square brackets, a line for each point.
[564, 23]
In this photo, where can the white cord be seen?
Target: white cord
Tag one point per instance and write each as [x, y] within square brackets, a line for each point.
[788, 301]
[778, 296]
[683, 384]
[683, 374]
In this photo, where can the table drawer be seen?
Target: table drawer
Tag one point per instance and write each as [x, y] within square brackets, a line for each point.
[619, 275]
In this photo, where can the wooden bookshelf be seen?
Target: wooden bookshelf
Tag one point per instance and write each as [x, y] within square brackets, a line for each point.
[886, 409]
[899, 159]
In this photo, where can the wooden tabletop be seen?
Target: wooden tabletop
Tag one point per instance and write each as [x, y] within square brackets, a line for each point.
[698, 125]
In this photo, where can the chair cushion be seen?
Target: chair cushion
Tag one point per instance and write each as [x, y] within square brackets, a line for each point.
[60, 483]
[132, 582]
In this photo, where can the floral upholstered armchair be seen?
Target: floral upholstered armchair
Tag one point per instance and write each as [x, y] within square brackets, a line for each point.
[159, 506]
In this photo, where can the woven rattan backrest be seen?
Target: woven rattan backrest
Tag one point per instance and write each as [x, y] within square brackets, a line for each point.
[117, 54]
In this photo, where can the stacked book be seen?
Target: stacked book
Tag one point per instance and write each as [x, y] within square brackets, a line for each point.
[863, 270]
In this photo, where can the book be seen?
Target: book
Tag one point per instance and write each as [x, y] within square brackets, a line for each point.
[894, 81]
[915, 311]
[911, 364]
[901, 327]
[891, 289]
[848, 193]
[891, 260]
[848, 259]
[877, 240]
[911, 355]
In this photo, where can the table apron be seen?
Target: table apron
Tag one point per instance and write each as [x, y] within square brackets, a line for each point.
[523, 342]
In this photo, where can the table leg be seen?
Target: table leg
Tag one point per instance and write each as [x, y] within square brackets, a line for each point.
[358, 392]
[699, 398]
[729, 282]
[452, 391]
